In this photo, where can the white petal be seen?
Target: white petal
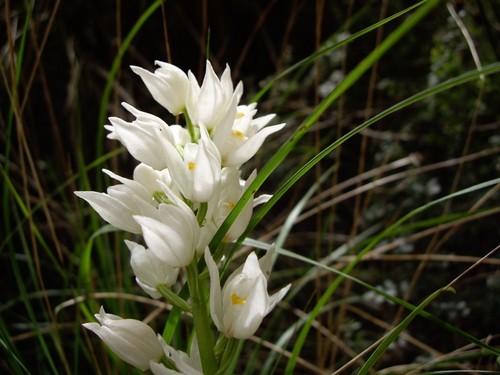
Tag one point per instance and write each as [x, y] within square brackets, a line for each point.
[178, 170]
[215, 291]
[261, 199]
[159, 369]
[266, 262]
[276, 297]
[149, 270]
[207, 173]
[111, 210]
[169, 93]
[260, 122]
[132, 340]
[210, 100]
[253, 311]
[224, 128]
[166, 242]
[249, 148]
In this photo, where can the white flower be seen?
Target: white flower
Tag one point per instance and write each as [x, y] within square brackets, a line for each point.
[132, 340]
[186, 364]
[239, 142]
[196, 172]
[131, 197]
[239, 308]
[230, 191]
[209, 103]
[168, 85]
[174, 235]
[146, 136]
[149, 270]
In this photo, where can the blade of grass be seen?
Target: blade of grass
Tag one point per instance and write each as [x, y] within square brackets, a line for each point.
[464, 78]
[310, 59]
[20, 278]
[60, 188]
[113, 72]
[289, 145]
[392, 335]
[333, 286]
[10, 353]
[292, 216]
[345, 275]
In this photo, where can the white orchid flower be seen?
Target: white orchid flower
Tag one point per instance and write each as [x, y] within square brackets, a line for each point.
[239, 143]
[168, 85]
[197, 171]
[229, 193]
[149, 270]
[209, 103]
[174, 235]
[131, 197]
[132, 340]
[145, 137]
[239, 308]
[185, 364]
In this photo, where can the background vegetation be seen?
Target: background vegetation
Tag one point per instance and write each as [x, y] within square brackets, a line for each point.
[64, 70]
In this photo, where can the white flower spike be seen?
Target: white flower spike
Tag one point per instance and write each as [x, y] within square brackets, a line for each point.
[239, 308]
[132, 340]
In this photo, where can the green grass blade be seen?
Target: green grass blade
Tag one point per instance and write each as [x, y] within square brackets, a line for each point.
[114, 70]
[333, 286]
[31, 310]
[10, 353]
[292, 216]
[342, 274]
[395, 332]
[289, 145]
[61, 188]
[310, 59]
[464, 78]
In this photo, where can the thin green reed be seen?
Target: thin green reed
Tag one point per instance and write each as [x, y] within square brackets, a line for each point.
[338, 91]
[103, 108]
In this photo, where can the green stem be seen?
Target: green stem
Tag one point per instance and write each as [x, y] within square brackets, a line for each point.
[167, 362]
[190, 128]
[230, 351]
[220, 346]
[202, 213]
[176, 300]
[201, 320]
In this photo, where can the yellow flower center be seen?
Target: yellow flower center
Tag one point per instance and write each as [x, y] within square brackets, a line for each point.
[238, 133]
[230, 205]
[191, 165]
[237, 300]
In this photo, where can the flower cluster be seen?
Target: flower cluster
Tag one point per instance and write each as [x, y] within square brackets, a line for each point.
[186, 183]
